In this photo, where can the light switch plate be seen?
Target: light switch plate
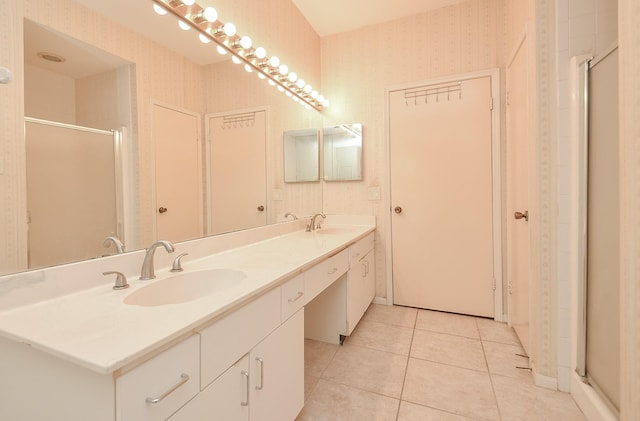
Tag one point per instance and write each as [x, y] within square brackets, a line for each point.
[373, 193]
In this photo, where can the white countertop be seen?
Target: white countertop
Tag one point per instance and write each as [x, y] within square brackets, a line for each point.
[95, 329]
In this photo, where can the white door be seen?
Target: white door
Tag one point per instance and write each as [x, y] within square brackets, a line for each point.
[442, 197]
[237, 172]
[176, 141]
[517, 197]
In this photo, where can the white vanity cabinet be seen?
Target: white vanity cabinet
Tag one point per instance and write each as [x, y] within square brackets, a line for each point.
[158, 387]
[339, 291]
[361, 285]
[224, 399]
[252, 365]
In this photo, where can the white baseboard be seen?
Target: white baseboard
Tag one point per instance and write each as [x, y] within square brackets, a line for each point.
[380, 300]
[589, 402]
[545, 381]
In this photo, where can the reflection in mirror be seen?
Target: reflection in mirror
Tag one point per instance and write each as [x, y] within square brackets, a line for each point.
[72, 194]
[342, 146]
[140, 70]
[301, 156]
[76, 97]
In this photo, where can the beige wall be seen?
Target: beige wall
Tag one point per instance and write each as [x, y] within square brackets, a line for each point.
[629, 36]
[357, 67]
[49, 95]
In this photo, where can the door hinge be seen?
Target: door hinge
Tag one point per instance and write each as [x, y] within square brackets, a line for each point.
[491, 104]
[494, 284]
[507, 99]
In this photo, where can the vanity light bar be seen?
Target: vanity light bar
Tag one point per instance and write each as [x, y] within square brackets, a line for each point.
[224, 35]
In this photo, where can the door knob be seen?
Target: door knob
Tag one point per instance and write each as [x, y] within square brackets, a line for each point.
[261, 208]
[522, 215]
[162, 209]
[397, 209]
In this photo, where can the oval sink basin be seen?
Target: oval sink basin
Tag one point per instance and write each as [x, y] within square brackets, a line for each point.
[334, 230]
[185, 287]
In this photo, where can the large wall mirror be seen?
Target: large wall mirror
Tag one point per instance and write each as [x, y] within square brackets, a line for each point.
[342, 146]
[301, 156]
[138, 72]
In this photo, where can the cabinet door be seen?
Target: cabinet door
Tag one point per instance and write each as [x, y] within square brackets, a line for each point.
[224, 399]
[277, 373]
[361, 289]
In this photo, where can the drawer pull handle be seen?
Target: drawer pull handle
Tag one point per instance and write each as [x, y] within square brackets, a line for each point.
[183, 379]
[332, 271]
[293, 300]
[261, 362]
[246, 399]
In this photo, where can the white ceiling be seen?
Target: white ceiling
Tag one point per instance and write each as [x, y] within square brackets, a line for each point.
[334, 16]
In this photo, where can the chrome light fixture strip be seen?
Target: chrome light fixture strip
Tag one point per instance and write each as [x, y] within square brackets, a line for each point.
[192, 16]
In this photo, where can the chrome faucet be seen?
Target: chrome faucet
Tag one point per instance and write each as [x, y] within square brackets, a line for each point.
[312, 224]
[116, 242]
[148, 271]
[288, 214]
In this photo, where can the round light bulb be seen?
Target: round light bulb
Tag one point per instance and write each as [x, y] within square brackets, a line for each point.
[307, 106]
[300, 83]
[261, 76]
[280, 88]
[229, 29]
[314, 94]
[293, 77]
[284, 69]
[248, 68]
[325, 103]
[183, 25]
[307, 89]
[274, 61]
[261, 53]
[204, 39]
[210, 14]
[271, 83]
[221, 50]
[188, 2]
[296, 99]
[287, 93]
[236, 60]
[159, 10]
[245, 42]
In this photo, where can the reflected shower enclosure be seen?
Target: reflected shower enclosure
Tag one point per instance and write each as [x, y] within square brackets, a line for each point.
[73, 198]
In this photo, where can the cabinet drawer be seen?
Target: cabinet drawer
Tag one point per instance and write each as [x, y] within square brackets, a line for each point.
[324, 274]
[292, 294]
[359, 249]
[227, 340]
[157, 388]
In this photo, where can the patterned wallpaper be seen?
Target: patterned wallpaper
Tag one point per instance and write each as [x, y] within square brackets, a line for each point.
[357, 67]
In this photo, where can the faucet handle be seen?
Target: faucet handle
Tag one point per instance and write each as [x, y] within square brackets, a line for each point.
[121, 279]
[177, 264]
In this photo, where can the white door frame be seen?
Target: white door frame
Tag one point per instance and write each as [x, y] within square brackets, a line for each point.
[154, 205]
[496, 158]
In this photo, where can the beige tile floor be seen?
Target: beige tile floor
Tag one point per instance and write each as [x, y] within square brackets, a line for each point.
[407, 364]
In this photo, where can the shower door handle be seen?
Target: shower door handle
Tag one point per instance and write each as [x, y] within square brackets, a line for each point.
[521, 215]
[162, 209]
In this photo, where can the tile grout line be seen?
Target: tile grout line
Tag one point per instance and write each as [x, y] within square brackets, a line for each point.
[406, 367]
[493, 389]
